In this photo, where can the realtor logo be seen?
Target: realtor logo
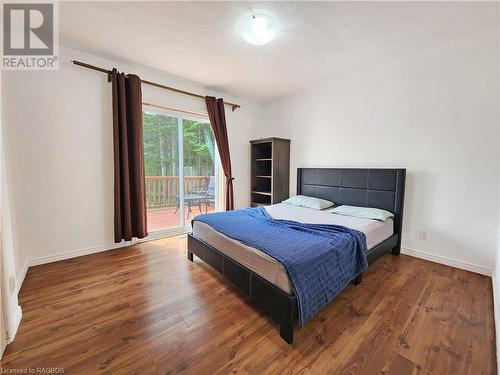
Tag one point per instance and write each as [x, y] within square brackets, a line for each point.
[29, 36]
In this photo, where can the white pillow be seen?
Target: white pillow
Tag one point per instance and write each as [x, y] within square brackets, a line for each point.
[309, 202]
[362, 212]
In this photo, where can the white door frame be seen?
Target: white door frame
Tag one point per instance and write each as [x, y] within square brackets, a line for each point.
[10, 311]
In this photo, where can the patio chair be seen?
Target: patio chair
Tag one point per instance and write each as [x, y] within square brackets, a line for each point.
[210, 195]
[207, 195]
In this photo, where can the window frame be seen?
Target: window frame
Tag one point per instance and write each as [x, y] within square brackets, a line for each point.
[184, 227]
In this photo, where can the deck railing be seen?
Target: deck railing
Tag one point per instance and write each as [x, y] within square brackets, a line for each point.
[161, 191]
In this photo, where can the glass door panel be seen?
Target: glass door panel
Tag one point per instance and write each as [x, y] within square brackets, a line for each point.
[200, 160]
[182, 169]
[162, 163]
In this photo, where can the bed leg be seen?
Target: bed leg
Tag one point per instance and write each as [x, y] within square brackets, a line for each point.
[286, 332]
[190, 255]
[357, 280]
[396, 250]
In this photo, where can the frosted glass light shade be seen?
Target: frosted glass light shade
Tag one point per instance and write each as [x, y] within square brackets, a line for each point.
[259, 29]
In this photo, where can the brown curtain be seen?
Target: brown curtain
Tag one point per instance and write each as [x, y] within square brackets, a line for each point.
[130, 195]
[215, 108]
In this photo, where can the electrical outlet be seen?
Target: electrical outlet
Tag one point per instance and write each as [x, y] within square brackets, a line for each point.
[12, 284]
[424, 235]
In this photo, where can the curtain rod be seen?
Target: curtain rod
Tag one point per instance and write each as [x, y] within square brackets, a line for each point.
[173, 89]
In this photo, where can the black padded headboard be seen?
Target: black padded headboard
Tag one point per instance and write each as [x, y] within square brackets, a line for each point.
[378, 188]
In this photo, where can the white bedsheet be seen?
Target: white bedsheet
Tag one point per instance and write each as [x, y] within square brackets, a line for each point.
[268, 267]
[375, 231]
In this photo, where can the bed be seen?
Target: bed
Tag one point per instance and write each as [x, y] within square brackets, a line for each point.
[264, 278]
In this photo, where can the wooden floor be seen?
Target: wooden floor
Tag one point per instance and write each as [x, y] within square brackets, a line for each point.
[148, 310]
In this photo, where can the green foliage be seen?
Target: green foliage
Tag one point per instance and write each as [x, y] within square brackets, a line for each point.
[161, 146]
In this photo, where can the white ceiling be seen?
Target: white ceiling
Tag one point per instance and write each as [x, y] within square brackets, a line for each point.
[198, 40]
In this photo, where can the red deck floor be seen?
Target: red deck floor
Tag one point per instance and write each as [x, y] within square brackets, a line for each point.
[163, 218]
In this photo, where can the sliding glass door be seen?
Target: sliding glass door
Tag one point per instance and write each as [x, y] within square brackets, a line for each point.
[182, 170]
[200, 172]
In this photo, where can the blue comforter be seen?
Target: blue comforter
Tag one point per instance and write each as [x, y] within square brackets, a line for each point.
[320, 259]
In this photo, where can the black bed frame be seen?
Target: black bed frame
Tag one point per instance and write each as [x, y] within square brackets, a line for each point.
[378, 188]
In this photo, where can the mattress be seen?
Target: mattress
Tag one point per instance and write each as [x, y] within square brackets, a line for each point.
[268, 267]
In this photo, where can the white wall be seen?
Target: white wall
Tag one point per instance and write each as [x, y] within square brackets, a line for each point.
[495, 281]
[58, 133]
[436, 114]
[496, 287]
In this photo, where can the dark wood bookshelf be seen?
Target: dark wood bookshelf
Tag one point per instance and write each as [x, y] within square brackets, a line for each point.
[270, 171]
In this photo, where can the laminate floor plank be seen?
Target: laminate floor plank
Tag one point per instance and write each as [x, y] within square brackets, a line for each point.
[146, 309]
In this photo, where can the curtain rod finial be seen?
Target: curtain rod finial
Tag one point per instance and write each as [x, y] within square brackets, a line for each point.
[234, 107]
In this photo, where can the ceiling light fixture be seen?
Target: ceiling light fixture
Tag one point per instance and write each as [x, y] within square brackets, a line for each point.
[259, 29]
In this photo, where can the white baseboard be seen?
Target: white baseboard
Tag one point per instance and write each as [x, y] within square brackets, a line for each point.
[64, 256]
[448, 261]
[76, 253]
[98, 249]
